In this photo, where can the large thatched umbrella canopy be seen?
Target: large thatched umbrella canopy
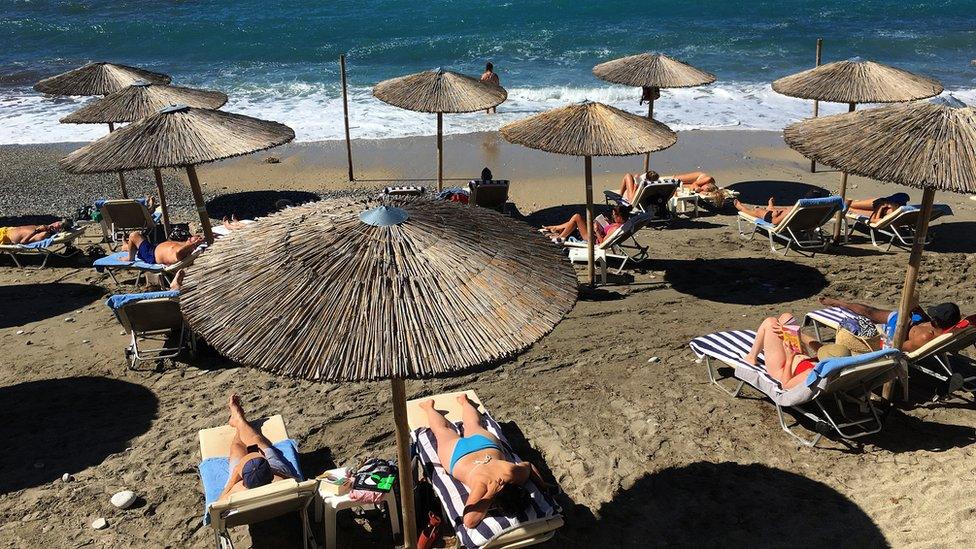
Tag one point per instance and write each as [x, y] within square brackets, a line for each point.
[653, 71]
[924, 144]
[99, 79]
[590, 129]
[179, 137]
[439, 91]
[139, 100]
[854, 81]
[395, 288]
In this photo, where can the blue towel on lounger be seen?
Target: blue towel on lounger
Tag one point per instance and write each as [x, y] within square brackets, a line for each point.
[116, 301]
[46, 243]
[214, 473]
[826, 367]
[121, 259]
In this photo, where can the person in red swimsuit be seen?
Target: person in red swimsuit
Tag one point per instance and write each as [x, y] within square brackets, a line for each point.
[783, 363]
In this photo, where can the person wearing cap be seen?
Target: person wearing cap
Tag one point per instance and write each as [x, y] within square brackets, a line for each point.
[925, 325]
[878, 208]
[253, 461]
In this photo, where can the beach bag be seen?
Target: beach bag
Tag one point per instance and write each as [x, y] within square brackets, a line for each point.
[373, 480]
[858, 334]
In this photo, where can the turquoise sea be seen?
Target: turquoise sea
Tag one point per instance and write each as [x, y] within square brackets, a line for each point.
[278, 60]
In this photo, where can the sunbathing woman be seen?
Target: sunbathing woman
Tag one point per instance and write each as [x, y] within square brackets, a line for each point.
[770, 214]
[27, 234]
[878, 208]
[164, 253]
[784, 363]
[577, 223]
[478, 462]
[699, 182]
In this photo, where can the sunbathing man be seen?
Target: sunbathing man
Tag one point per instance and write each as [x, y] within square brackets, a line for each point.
[164, 253]
[628, 186]
[577, 223]
[27, 234]
[785, 363]
[941, 318]
[253, 460]
[770, 214]
[877, 208]
[478, 462]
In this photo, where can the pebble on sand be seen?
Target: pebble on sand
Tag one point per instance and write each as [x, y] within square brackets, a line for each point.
[67, 477]
[124, 499]
[654, 359]
[99, 523]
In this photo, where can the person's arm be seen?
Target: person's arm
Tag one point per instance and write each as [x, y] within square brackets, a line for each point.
[232, 480]
[536, 477]
[476, 507]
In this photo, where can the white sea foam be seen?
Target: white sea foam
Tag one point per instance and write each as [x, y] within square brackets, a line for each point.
[315, 110]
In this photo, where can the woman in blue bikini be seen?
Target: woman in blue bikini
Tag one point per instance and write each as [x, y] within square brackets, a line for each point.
[476, 459]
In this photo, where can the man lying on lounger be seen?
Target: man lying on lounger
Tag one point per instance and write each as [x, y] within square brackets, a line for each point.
[253, 460]
[877, 208]
[164, 253]
[770, 214]
[476, 459]
[27, 234]
[925, 325]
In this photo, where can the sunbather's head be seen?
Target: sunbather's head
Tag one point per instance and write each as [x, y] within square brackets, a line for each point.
[621, 214]
[513, 499]
[256, 471]
[651, 175]
[944, 315]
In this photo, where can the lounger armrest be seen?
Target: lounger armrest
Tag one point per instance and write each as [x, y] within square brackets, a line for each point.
[615, 197]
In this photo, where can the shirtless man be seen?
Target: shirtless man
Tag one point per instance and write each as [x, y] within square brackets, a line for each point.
[877, 208]
[253, 460]
[490, 77]
[164, 253]
[27, 234]
[941, 318]
[478, 462]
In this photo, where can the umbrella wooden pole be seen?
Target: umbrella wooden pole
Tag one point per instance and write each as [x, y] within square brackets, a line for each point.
[440, 152]
[345, 113]
[162, 199]
[590, 267]
[125, 191]
[816, 104]
[650, 116]
[191, 174]
[843, 195]
[408, 515]
[911, 277]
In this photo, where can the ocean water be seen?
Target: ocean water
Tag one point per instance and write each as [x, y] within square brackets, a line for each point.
[279, 60]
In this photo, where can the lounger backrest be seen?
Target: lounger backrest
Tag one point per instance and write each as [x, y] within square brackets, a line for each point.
[488, 194]
[127, 215]
[627, 230]
[404, 191]
[259, 504]
[149, 315]
[948, 342]
[657, 192]
[907, 216]
[810, 213]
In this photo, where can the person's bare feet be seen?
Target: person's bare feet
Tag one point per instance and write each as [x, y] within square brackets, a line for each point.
[738, 204]
[829, 301]
[463, 399]
[427, 404]
[772, 203]
[236, 412]
[749, 359]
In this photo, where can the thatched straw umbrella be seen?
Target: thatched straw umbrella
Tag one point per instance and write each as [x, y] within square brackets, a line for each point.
[99, 79]
[396, 288]
[439, 91]
[654, 71]
[590, 129]
[924, 144]
[856, 81]
[179, 137]
[139, 100]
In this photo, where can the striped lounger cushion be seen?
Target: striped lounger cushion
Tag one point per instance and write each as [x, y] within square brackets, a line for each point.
[832, 316]
[452, 493]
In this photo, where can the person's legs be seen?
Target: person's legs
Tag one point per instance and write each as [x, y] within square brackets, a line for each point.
[575, 223]
[688, 178]
[248, 435]
[132, 243]
[472, 419]
[769, 342]
[878, 316]
[749, 210]
[443, 431]
[866, 204]
[628, 187]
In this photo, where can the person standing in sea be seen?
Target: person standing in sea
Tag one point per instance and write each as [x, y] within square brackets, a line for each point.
[490, 76]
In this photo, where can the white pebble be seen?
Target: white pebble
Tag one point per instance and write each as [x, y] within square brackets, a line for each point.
[99, 523]
[69, 319]
[86, 341]
[124, 499]
[20, 332]
[653, 359]
[67, 477]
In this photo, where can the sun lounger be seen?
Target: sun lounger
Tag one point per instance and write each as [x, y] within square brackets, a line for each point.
[405, 191]
[152, 317]
[119, 261]
[120, 217]
[898, 227]
[257, 504]
[826, 397]
[61, 244]
[941, 353]
[488, 194]
[801, 228]
[649, 197]
[539, 521]
[621, 245]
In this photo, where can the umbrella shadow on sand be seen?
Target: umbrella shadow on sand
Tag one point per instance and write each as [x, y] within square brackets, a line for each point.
[26, 303]
[784, 193]
[252, 204]
[17, 220]
[742, 281]
[953, 237]
[724, 505]
[53, 426]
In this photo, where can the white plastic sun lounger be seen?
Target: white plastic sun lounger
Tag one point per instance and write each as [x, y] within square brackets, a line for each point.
[800, 229]
[941, 353]
[60, 245]
[621, 245]
[220, 230]
[497, 531]
[832, 388]
[898, 227]
[257, 504]
[649, 198]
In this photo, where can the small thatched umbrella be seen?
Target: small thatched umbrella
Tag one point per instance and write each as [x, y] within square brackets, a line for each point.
[179, 137]
[924, 144]
[99, 79]
[439, 91]
[396, 288]
[590, 129]
[856, 81]
[139, 100]
[654, 71]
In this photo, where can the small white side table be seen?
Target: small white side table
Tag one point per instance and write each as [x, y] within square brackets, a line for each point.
[683, 203]
[328, 505]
